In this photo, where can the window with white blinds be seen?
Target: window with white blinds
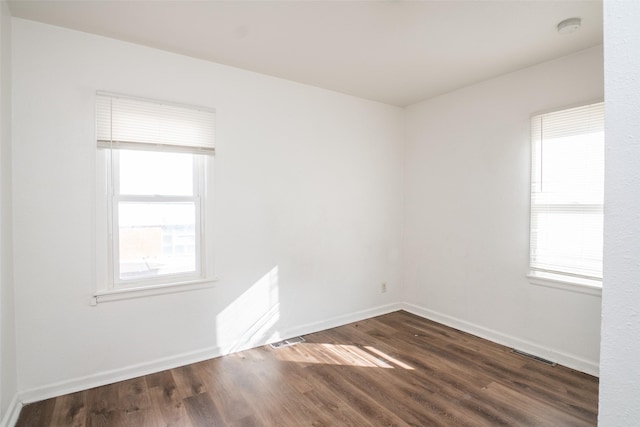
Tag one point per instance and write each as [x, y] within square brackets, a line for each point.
[567, 187]
[156, 157]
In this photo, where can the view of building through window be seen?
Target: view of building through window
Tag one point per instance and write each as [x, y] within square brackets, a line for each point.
[163, 242]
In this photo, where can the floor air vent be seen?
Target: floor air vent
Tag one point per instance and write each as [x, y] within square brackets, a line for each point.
[287, 343]
[534, 357]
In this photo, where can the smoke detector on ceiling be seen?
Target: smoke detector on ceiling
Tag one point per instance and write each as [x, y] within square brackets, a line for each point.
[569, 26]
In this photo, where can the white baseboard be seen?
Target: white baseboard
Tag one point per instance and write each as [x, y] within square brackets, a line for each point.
[115, 375]
[341, 320]
[133, 371]
[13, 412]
[568, 360]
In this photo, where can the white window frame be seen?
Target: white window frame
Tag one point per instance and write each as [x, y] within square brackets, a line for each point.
[196, 198]
[561, 280]
[109, 285]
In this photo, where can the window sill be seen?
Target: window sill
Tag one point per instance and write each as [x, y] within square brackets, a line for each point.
[147, 291]
[572, 284]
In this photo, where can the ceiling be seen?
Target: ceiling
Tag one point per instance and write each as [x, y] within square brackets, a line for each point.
[396, 52]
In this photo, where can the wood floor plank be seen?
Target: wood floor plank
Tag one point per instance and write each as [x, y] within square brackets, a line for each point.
[202, 411]
[70, 410]
[134, 403]
[168, 407]
[261, 400]
[218, 380]
[188, 382]
[357, 398]
[286, 392]
[392, 370]
[160, 379]
[165, 400]
[102, 407]
[335, 409]
[437, 391]
[248, 421]
[37, 414]
[533, 411]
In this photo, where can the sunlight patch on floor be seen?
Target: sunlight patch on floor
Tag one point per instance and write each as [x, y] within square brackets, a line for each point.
[339, 354]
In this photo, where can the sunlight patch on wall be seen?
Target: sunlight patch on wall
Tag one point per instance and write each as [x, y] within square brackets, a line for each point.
[250, 319]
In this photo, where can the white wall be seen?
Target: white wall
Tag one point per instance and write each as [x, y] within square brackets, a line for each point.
[308, 211]
[307, 185]
[620, 348]
[8, 381]
[467, 213]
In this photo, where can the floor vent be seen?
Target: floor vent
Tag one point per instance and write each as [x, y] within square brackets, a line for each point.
[534, 357]
[287, 343]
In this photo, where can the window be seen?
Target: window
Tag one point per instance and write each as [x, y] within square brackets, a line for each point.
[155, 158]
[567, 186]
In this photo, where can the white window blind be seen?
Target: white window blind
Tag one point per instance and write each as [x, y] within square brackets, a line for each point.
[137, 124]
[567, 186]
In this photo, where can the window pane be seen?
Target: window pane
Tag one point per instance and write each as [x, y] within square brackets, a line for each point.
[156, 239]
[156, 173]
[568, 241]
[572, 170]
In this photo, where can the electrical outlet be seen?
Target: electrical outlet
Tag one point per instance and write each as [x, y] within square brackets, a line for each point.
[383, 287]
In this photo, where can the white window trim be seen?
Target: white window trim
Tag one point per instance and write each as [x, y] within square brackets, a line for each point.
[566, 283]
[106, 289]
[147, 291]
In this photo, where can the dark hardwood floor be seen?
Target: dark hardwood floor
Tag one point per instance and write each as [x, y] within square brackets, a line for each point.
[393, 370]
